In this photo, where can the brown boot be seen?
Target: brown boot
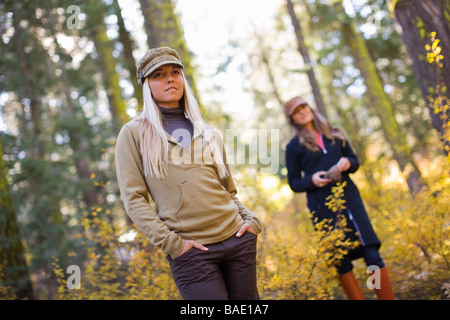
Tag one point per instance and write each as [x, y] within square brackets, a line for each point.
[351, 286]
[385, 292]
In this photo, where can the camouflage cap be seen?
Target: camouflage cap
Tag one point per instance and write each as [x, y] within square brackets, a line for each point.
[155, 58]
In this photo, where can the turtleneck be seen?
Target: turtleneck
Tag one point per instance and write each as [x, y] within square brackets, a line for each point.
[177, 125]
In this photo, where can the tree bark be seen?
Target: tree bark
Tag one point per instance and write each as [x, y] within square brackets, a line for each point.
[78, 142]
[416, 20]
[382, 107]
[307, 60]
[34, 124]
[264, 55]
[128, 47]
[43, 212]
[104, 48]
[12, 251]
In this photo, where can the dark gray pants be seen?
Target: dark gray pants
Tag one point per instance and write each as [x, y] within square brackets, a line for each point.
[226, 271]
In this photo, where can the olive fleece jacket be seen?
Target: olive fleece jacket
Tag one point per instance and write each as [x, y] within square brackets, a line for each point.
[191, 203]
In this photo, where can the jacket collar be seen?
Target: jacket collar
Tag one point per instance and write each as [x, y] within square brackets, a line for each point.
[196, 133]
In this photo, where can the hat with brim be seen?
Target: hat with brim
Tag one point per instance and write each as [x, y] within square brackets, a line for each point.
[293, 103]
[155, 58]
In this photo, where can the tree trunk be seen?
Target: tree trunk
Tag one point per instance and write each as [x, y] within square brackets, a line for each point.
[357, 140]
[128, 47]
[416, 20]
[34, 125]
[304, 52]
[382, 107]
[43, 212]
[11, 249]
[264, 56]
[78, 142]
[104, 48]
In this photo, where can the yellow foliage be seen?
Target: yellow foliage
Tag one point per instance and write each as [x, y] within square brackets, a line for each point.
[336, 201]
[117, 270]
[415, 233]
[6, 292]
[434, 51]
[299, 263]
[295, 260]
[438, 100]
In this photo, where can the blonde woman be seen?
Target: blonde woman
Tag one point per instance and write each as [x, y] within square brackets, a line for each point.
[170, 155]
[317, 157]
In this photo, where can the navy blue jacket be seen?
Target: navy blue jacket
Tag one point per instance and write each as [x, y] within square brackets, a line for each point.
[302, 163]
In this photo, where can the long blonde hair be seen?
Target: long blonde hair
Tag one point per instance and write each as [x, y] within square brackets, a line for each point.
[321, 125]
[154, 146]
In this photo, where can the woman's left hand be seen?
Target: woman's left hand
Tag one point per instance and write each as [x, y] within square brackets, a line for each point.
[244, 228]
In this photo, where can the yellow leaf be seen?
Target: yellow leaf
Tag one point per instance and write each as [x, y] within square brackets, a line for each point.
[94, 257]
[435, 43]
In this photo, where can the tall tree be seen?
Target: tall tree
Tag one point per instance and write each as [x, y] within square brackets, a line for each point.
[35, 176]
[382, 106]
[127, 52]
[11, 248]
[306, 58]
[417, 19]
[73, 118]
[96, 12]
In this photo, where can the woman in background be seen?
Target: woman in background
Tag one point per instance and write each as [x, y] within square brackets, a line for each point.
[317, 157]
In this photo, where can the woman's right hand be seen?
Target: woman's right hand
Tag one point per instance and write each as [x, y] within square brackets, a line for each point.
[319, 180]
[188, 244]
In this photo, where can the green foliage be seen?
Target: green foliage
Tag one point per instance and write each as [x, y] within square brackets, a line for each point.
[6, 292]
